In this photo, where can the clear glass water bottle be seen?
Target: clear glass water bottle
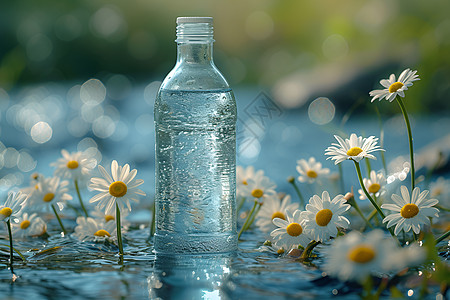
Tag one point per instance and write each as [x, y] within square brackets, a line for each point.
[195, 119]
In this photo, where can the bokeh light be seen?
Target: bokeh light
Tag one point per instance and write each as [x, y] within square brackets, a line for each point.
[321, 111]
[41, 132]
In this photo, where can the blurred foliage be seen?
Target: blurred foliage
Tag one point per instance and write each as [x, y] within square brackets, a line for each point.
[259, 42]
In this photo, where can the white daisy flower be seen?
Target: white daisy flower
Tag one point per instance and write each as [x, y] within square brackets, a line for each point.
[28, 225]
[242, 175]
[274, 208]
[101, 215]
[49, 191]
[310, 170]
[394, 87]
[260, 187]
[12, 206]
[323, 216]
[440, 189]
[120, 188]
[75, 165]
[355, 148]
[289, 233]
[374, 185]
[273, 248]
[355, 256]
[410, 212]
[89, 229]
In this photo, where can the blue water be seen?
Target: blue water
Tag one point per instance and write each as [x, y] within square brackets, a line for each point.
[195, 171]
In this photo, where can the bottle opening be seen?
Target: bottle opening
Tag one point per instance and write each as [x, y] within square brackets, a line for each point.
[195, 30]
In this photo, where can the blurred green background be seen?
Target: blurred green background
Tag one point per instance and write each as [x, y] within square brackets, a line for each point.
[298, 50]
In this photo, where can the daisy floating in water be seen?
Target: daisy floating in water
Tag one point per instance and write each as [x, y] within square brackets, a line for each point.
[356, 148]
[274, 208]
[29, 226]
[323, 216]
[116, 191]
[89, 229]
[310, 170]
[289, 233]
[410, 212]
[244, 174]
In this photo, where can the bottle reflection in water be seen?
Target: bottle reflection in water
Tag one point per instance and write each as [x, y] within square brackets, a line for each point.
[195, 118]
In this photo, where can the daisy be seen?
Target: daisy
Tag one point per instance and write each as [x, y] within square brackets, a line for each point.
[260, 187]
[274, 208]
[355, 256]
[323, 216]
[12, 206]
[89, 229]
[29, 225]
[410, 212]
[441, 190]
[394, 87]
[289, 233]
[242, 175]
[355, 148]
[118, 189]
[76, 165]
[47, 192]
[100, 215]
[310, 170]
[374, 185]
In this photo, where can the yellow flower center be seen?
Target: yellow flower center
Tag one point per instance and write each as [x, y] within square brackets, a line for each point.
[109, 218]
[244, 182]
[354, 151]
[48, 197]
[118, 189]
[280, 251]
[311, 174]
[257, 193]
[374, 187]
[25, 224]
[395, 87]
[6, 211]
[102, 232]
[278, 214]
[409, 210]
[73, 164]
[323, 217]
[362, 254]
[294, 229]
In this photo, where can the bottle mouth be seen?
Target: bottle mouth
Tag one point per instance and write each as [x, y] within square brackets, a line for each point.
[195, 30]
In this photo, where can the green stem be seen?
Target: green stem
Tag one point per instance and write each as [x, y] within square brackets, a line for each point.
[443, 237]
[247, 220]
[79, 197]
[411, 150]
[11, 251]
[253, 217]
[341, 178]
[307, 252]
[17, 251]
[442, 208]
[152, 226]
[358, 171]
[59, 219]
[119, 230]
[299, 194]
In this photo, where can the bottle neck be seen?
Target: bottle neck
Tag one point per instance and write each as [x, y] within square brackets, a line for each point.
[195, 43]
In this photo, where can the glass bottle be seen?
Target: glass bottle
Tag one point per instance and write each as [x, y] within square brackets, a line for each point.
[195, 119]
